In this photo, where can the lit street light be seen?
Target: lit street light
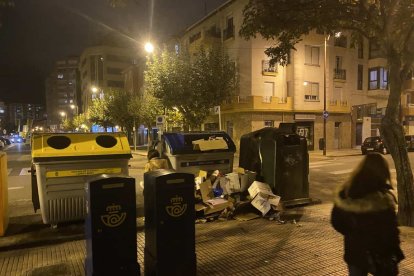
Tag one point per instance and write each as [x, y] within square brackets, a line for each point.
[73, 106]
[63, 114]
[149, 47]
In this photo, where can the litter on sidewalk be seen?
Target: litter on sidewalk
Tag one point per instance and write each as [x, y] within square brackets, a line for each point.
[234, 195]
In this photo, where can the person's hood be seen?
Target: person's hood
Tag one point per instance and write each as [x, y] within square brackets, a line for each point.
[158, 163]
[373, 202]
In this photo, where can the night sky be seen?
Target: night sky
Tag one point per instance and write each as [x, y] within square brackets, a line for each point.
[36, 33]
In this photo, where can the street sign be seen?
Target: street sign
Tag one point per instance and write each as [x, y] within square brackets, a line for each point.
[160, 120]
[325, 114]
[217, 109]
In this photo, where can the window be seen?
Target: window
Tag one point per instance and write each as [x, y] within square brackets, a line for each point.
[60, 76]
[269, 88]
[119, 59]
[374, 50]
[340, 41]
[114, 71]
[378, 78]
[311, 55]
[360, 76]
[269, 123]
[360, 48]
[112, 83]
[289, 88]
[311, 91]
[337, 94]
[229, 31]
[268, 69]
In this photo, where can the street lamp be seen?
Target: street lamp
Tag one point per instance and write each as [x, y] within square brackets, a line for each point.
[325, 112]
[324, 96]
[73, 106]
[149, 47]
[63, 114]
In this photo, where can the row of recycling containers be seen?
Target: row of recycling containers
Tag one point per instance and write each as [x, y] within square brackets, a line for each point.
[86, 175]
[63, 162]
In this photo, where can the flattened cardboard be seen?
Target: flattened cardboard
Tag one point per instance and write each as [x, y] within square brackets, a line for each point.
[211, 204]
[212, 144]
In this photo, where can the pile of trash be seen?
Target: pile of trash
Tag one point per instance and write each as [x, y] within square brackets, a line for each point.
[234, 195]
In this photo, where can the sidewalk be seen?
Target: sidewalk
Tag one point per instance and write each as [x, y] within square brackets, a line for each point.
[305, 245]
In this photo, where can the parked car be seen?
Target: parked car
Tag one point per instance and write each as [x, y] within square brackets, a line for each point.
[374, 143]
[409, 141]
[5, 140]
[16, 139]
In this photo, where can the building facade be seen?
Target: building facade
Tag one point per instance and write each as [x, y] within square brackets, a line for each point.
[22, 117]
[354, 91]
[101, 69]
[62, 92]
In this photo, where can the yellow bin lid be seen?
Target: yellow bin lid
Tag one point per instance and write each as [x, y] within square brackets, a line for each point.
[79, 146]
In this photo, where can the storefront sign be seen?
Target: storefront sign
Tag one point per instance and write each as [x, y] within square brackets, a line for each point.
[305, 117]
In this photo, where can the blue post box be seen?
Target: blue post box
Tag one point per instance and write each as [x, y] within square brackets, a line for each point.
[111, 239]
[169, 224]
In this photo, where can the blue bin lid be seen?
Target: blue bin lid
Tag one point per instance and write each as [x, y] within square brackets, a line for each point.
[182, 142]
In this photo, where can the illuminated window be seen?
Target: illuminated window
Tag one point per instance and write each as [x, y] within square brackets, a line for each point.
[311, 91]
[378, 78]
[311, 55]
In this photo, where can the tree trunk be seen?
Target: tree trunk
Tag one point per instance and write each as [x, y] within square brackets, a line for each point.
[392, 131]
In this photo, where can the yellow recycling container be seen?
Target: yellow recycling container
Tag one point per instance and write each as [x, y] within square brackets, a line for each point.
[4, 202]
[62, 163]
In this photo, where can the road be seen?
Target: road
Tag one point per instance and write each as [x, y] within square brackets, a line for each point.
[324, 176]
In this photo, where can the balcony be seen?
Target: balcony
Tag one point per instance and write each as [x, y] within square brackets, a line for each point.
[259, 103]
[268, 69]
[339, 74]
[378, 93]
[408, 110]
[338, 106]
[408, 84]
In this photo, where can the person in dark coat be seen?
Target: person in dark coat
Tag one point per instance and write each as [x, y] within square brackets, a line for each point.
[364, 212]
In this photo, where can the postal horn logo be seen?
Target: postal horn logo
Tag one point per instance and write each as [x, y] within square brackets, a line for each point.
[177, 207]
[113, 217]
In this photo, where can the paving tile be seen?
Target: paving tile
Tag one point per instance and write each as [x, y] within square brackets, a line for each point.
[257, 247]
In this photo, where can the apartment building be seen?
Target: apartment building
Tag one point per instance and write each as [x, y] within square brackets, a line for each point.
[101, 69]
[62, 91]
[354, 92]
[22, 116]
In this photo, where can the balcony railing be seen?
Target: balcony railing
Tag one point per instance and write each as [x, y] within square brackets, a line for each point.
[267, 99]
[252, 103]
[213, 32]
[339, 74]
[268, 69]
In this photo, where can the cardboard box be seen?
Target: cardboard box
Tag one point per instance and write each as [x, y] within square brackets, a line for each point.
[210, 203]
[246, 179]
[212, 144]
[263, 197]
[233, 183]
